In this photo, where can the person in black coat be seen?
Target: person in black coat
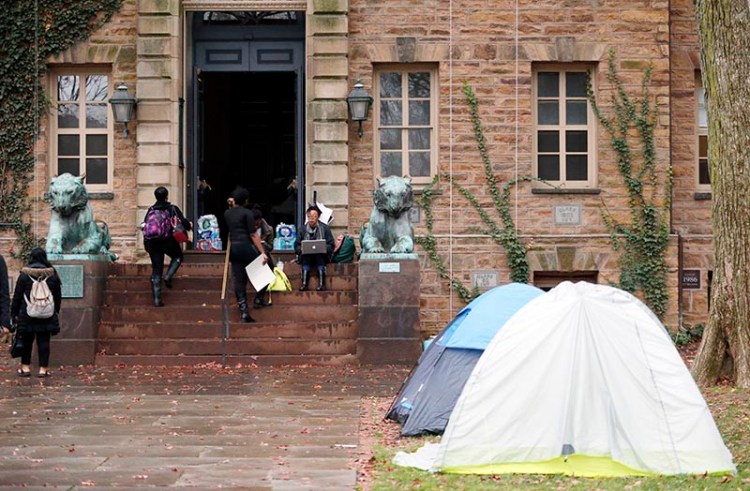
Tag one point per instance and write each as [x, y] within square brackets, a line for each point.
[30, 328]
[157, 248]
[244, 246]
[4, 297]
[314, 229]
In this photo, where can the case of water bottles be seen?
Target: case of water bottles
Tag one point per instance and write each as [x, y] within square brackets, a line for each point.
[207, 233]
[285, 237]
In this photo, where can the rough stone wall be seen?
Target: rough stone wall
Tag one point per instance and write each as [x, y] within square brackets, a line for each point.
[691, 210]
[482, 49]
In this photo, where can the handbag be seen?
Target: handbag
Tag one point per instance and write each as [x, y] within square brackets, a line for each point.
[280, 282]
[16, 346]
[178, 231]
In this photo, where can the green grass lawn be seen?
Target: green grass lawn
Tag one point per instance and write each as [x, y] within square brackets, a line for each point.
[730, 408]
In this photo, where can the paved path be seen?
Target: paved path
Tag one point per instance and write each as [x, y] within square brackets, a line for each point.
[287, 428]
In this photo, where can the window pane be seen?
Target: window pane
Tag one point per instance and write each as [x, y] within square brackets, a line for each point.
[576, 141]
[548, 141]
[68, 87]
[575, 112]
[419, 113]
[68, 145]
[96, 171]
[576, 168]
[703, 146]
[96, 88]
[703, 175]
[419, 84]
[67, 165]
[96, 116]
[575, 84]
[390, 84]
[390, 139]
[549, 167]
[96, 145]
[549, 84]
[67, 116]
[391, 113]
[702, 117]
[549, 113]
[390, 164]
[419, 164]
[419, 139]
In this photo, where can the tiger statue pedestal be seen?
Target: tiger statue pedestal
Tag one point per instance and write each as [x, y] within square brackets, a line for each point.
[389, 304]
[78, 248]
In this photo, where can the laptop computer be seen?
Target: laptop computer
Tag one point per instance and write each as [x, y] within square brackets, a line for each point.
[314, 246]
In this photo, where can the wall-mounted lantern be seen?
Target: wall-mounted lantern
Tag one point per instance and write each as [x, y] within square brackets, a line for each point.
[123, 106]
[359, 102]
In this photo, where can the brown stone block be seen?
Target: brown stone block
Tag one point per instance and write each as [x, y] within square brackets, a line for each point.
[78, 322]
[71, 352]
[388, 322]
[388, 351]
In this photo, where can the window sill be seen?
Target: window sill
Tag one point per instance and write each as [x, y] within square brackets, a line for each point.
[702, 196]
[102, 196]
[566, 191]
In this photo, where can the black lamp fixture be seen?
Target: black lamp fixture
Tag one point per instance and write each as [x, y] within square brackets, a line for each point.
[123, 106]
[359, 104]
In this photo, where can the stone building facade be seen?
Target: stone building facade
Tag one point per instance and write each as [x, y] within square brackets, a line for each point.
[525, 61]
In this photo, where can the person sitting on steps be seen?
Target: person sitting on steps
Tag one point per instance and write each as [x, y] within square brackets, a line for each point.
[314, 229]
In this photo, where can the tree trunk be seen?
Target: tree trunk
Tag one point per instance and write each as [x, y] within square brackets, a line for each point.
[724, 29]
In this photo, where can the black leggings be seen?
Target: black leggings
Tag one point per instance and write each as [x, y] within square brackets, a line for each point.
[156, 250]
[42, 346]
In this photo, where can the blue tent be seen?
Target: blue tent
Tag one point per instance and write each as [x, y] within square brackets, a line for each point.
[426, 399]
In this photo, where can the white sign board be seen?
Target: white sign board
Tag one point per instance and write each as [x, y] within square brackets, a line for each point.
[567, 215]
[484, 280]
[389, 267]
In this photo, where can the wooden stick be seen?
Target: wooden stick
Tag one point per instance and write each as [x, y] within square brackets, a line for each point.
[226, 269]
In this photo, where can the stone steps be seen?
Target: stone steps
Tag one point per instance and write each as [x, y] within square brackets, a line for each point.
[299, 328]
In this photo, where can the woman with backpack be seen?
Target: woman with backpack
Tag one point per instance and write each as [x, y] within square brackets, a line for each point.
[158, 241]
[33, 316]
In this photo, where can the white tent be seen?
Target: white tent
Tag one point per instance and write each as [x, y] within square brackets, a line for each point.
[583, 380]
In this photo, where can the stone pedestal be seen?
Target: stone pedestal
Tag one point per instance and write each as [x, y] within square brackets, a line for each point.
[84, 280]
[388, 309]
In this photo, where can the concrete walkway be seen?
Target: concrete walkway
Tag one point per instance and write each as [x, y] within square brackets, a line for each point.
[286, 428]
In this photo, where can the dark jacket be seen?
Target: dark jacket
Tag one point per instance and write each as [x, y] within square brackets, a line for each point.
[4, 295]
[24, 323]
[241, 225]
[327, 235]
[163, 205]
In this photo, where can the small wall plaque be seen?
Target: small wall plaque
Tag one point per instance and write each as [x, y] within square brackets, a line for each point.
[389, 267]
[568, 215]
[414, 214]
[484, 280]
[71, 276]
[691, 279]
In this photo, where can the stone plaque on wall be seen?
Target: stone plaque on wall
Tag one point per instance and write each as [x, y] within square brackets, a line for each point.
[71, 276]
[691, 279]
[484, 280]
[567, 214]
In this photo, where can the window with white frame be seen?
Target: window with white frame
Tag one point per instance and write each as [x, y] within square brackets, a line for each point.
[81, 136]
[704, 180]
[405, 121]
[564, 127]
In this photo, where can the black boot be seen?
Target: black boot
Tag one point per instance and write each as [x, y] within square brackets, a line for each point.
[173, 267]
[242, 303]
[156, 290]
[305, 279]
[260, 299]
[321, 280]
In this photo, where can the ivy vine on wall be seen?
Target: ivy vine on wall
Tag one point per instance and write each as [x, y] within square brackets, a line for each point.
[643, 242]
[504, 234]
[32, 31]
